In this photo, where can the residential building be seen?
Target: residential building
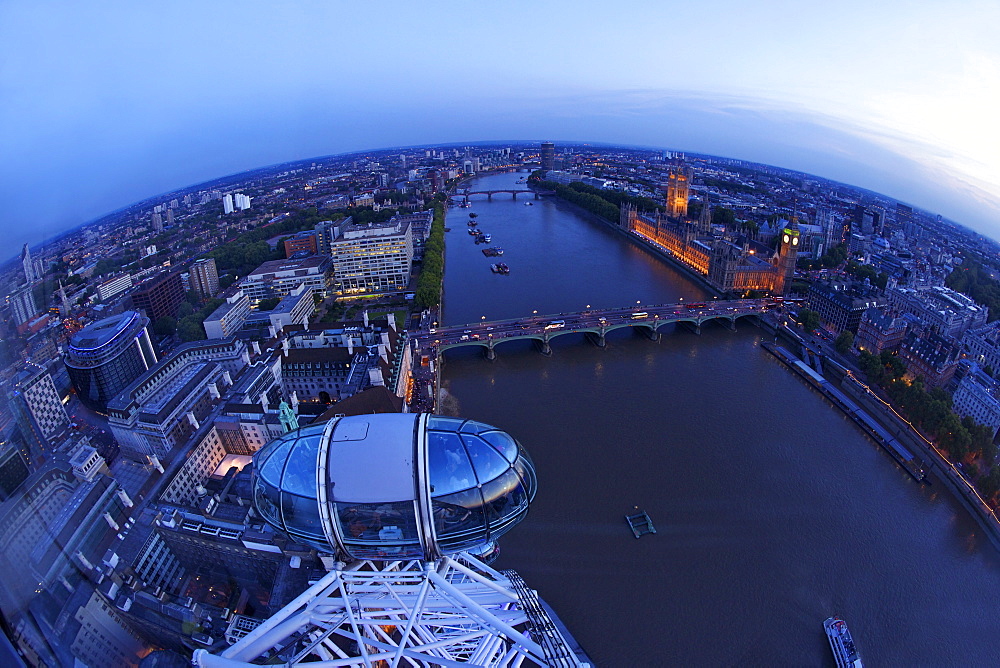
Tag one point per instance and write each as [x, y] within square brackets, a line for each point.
[227, 203]
[983, 345]
[204, 277]
[930, 356]
[880, 330]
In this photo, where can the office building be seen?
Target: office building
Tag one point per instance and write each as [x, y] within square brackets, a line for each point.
[548, 155]
[38, 410]
[880, 330]
[931, 356]
[159, 296]
[103, 358]
[330, 363]
[228, 319]
[945, 311]
[301, 242]
[204, 278]
[160, 410]
[114, 286]
[372, 258]
[278, 278]
[14, 468]
[841, 306]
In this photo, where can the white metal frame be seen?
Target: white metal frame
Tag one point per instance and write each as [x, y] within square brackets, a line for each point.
[454, 611]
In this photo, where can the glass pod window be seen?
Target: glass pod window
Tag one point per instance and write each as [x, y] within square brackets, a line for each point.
[379, 530]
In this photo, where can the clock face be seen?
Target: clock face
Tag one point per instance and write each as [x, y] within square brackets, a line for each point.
[795, 241]
[785, 239]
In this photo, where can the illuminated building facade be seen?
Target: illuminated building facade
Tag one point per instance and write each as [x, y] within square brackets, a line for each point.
[678, 185]
[680, 238]
[372, 258]
[729, 266]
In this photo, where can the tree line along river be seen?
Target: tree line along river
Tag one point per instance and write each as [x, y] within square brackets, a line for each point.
[773, 511]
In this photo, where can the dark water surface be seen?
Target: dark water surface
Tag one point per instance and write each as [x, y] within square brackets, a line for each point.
[772, 510]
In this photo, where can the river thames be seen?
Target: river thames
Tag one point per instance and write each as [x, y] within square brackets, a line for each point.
[773, 511]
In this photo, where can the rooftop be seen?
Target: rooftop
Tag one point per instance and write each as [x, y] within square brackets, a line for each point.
[103, 331]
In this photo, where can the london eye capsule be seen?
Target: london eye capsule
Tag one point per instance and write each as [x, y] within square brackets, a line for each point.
[394, 486]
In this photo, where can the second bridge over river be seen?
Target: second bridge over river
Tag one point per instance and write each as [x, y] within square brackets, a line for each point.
[595, 324]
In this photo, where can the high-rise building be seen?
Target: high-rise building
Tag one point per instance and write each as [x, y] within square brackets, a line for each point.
[103, 358]
[373, 258]
[548, 155]
[37, 409]
[157, 222]
[204, 277]
[22, 305]
[170, 217]
[678, 184]
[227, 203]
[28, 265]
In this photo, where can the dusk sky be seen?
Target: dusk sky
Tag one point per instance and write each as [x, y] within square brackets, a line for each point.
[103, 104]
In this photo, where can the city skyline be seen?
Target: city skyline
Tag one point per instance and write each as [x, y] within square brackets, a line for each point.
[112, 108]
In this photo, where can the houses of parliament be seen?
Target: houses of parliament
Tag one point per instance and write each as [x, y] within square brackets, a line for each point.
[733, 264]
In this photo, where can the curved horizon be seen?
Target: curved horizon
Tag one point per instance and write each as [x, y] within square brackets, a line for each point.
[109, 107]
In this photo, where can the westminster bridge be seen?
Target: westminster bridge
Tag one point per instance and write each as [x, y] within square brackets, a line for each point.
[594, 324]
